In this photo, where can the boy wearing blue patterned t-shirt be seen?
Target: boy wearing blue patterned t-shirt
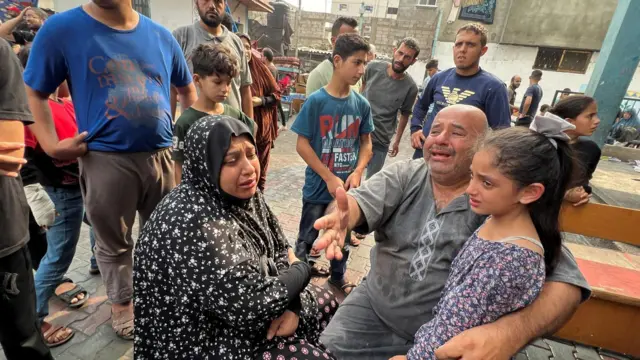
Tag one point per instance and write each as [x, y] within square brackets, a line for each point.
[334, 130]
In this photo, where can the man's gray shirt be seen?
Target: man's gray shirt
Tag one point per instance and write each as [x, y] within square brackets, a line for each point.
[387, 96]
[416, 244]
[190, 36]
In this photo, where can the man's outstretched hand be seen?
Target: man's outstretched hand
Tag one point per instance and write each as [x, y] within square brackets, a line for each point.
[334, 226]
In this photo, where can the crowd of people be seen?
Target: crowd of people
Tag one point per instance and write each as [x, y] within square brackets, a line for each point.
[468, 261]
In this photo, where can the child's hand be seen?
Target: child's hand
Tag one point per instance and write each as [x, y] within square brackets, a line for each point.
[577, 196]
[334, 183]
[353, 181]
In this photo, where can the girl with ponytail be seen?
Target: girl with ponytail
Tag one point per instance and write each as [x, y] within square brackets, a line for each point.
[582, 112]
[519, 178]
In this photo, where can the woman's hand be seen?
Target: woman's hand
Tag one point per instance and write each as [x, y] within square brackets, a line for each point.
[285, 325]
[256, 101]
[577, 196]
[292, 257]
[399, 357]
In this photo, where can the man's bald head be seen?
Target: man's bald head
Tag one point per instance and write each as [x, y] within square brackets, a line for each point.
[450, 144]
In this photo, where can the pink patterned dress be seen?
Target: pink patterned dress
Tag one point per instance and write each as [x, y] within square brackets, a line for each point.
[488, 280]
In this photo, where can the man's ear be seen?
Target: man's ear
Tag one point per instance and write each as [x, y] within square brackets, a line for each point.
[531, 193]
[484, 50]
[414, 61]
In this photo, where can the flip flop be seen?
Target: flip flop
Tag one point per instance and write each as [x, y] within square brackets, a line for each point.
[69, 295]
[318, 270]
[343, 286]
[355, 240]
[122, 324]
[53, 330]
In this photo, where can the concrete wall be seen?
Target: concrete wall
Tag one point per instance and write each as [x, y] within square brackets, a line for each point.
[417, 22]
[172, 14]
[578, 24]
[448, 30]
[504, 61]
[575, 24]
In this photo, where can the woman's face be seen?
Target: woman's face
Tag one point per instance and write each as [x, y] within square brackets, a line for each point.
[247, 48]
[586, 123]
[240, 169]
[626, 115]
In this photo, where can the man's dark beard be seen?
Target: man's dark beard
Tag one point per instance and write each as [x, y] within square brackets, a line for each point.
[399, 71]
[211, 21]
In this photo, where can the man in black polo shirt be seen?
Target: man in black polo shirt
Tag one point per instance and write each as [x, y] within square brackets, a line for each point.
[19, 332]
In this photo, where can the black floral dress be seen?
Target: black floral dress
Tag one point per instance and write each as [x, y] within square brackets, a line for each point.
[204, 284]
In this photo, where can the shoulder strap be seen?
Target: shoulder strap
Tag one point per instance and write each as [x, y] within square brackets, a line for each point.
[514, 238]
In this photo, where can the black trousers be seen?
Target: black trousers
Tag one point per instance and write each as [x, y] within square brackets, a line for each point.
[20, 334]
[37, 242]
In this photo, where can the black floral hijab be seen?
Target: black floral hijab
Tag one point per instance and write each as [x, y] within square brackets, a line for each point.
[206, 144]
[209, 258]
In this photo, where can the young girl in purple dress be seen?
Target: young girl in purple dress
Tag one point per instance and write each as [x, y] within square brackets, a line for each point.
[518, 178]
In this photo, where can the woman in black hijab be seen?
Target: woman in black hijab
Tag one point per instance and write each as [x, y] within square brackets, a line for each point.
[214, 277]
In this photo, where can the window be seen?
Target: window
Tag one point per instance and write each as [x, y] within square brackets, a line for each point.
[392, 11]
[427, 2]
[343, 7]
[562, 60]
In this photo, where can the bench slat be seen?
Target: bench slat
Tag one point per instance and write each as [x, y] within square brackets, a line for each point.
[602, 221]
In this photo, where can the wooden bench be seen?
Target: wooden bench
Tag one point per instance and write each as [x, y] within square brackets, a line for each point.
[611, 318]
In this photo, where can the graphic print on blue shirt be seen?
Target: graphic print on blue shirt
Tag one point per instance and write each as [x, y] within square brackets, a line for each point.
[340, 143]
[447, 88]
[333, 127]
[119, 84]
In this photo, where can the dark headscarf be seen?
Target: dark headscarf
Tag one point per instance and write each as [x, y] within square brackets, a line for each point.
[220, 253]
[206, 145]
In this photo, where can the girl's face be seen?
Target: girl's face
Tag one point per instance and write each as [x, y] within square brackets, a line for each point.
[240, 169]
[586, 123]
[492, 193]
[247, 48]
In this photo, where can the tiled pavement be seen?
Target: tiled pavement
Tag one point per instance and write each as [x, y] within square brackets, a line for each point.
[94, 338]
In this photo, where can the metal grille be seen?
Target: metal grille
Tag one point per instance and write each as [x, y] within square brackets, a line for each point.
[562, 60]
[143, 7]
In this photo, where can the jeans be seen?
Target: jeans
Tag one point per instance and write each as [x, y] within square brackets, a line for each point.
[307, 235]
[62, 238]
[418, 154]
[377, 162]
[20, 334]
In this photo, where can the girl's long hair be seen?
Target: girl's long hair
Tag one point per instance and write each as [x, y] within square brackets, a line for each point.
[527, 157]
